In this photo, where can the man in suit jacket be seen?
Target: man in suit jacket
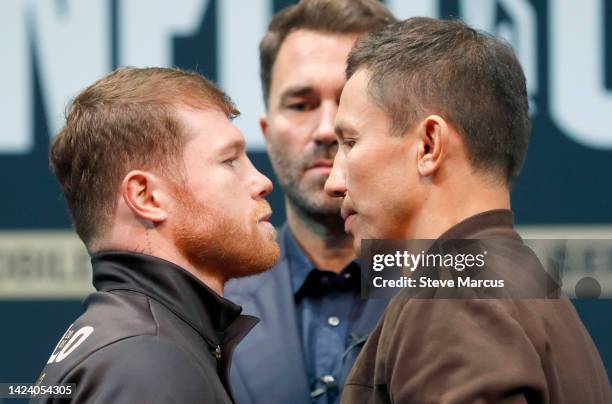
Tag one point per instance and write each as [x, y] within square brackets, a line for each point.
[433, 128]
[313, 321]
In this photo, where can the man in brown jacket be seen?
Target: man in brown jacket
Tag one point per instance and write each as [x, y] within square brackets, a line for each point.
[433, 129]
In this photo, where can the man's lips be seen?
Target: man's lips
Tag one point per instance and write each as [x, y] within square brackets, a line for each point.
[346, 212]
[265, 217]
[324, 165]
[347, 222]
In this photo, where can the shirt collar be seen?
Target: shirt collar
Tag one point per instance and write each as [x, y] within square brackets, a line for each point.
[181, 292]
[299, 264]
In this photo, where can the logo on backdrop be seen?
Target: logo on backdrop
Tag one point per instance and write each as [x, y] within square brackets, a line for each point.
[71, 43]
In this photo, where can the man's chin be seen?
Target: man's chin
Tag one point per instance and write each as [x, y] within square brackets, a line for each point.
[266, 255]
[357, 245]
[314, 196]
[267, 230]
[321, 207]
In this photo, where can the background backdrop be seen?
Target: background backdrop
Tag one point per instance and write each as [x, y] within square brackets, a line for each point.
[50, 49]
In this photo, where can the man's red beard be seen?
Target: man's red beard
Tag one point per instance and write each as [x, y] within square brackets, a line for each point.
[225, 248]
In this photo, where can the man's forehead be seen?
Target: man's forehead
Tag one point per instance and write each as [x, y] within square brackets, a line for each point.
[211, 125]
[312, 60]
[354, 94]
[233, 139]
[348, 121]
[199, 117]
[356, 109]
[310, 44]
[229, 139]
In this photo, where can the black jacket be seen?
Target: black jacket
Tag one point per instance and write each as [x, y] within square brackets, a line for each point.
[152, 333]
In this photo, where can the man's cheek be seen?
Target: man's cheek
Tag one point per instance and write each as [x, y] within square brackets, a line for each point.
[357, 175]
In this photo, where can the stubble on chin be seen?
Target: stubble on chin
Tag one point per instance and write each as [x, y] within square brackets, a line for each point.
[306, 192]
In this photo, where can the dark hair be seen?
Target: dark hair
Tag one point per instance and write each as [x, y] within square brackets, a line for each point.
[124, 121]
[333, 16]
[423, 65]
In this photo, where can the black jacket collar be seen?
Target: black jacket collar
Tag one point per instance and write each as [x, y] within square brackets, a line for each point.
[212, 316]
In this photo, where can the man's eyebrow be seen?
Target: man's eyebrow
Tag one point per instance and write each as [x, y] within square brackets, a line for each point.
[236, 145]
[342, 128]
[296, 91]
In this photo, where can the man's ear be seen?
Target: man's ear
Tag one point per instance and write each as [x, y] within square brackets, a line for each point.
[433, 136]
[142, 192]
[263, 124]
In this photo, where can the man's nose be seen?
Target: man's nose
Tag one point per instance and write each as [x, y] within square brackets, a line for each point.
[324, 133]
[335, 186]
[260, 185]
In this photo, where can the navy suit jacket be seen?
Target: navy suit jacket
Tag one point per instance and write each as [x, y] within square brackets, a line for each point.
[268, 366]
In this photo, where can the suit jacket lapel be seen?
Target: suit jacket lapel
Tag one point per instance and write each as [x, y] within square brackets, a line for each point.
[276, 354]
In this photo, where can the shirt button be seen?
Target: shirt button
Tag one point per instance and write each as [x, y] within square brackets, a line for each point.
[347, 275]
[328, 379]
[333, 321]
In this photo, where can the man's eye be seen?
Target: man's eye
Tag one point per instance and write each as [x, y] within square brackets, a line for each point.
[301, 106]
[347, 143]
[230, 162]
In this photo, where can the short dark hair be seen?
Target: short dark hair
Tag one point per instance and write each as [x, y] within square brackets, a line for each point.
[332, 16]
[124, 121]
[423, 65]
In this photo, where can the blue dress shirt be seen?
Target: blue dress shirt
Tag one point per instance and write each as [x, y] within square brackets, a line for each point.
[327, 303]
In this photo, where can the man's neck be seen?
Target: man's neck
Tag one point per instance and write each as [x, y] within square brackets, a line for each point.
[325, 244]
[137, 239]
[214, 282]
[445, 210]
